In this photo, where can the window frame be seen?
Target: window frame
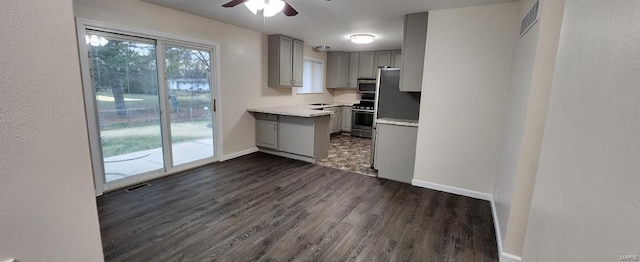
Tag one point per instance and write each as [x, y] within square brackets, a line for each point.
[324, 74]
[161, 39]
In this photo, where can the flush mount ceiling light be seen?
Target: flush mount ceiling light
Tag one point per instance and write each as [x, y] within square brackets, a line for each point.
[362, 38]
[271, 7]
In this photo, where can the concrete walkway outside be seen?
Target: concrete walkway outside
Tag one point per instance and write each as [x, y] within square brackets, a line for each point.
[130, 164]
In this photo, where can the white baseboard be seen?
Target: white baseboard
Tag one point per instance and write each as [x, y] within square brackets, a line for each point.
[452, 190]
[506, 257]
[238, 154]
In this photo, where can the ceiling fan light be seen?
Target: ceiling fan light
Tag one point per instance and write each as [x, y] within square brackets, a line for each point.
[273, 7]
[254, 5]
[362, 38]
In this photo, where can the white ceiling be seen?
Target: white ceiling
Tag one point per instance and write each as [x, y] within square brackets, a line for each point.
[322, 22]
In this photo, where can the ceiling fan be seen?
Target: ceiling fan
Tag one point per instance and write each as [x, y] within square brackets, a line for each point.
[271, 7]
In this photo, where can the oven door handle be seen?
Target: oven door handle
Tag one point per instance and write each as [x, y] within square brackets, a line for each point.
[362, 110]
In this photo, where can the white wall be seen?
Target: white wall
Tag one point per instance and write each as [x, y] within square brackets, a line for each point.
[586, 201]
[47, 205]
[243, 60]
[463, 95]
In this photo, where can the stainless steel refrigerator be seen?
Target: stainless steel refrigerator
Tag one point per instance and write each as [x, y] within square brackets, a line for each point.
[391, 102]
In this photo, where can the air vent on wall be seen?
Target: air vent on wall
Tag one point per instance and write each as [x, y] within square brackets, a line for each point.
[530, 19]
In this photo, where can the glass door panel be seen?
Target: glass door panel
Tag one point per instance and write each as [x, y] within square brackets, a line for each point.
[188, 84]
[124, 78]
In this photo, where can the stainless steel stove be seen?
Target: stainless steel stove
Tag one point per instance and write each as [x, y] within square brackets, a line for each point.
[362, 116]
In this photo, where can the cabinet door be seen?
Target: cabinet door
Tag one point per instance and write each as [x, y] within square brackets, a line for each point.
[354, 61]
[383, 58]
[342, 79]
[346, 119]
[286, 61]
[332, 70]
[296, 135]
[396, 57]
[267, 134]
[395, 152]
[334, 122]
[413, 51]
[298, 56]
[366, 65]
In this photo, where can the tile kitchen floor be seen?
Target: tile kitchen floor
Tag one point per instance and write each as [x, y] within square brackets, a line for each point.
[350, 154]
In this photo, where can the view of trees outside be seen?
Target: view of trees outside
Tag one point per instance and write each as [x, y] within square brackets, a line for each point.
[125, 78]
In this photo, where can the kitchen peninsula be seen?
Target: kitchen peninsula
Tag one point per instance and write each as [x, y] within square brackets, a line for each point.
[298, 132]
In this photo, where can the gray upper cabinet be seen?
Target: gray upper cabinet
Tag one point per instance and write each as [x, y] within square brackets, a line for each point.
[396, 58]
[298, 56]
[337, 69]
[413, 51]
[383, 58]
[354, 60]
[366, 65]
[285, 61]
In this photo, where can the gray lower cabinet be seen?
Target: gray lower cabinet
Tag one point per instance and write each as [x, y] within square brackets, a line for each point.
[395, 152]
[295, 134]
[302, 138]
[334, 123]
[267, 130]
[346, 119]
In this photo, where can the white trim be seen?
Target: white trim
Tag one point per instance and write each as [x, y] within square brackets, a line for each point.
[452, 190]
[239, 154]
[160, 39]
[141, 32]
[496, 225]
[506, 257]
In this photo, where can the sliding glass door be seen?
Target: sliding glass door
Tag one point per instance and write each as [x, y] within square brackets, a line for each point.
[188, 83]
[125, 82]
[150, 106]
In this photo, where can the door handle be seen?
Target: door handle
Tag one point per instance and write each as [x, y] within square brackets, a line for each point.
[215, 106]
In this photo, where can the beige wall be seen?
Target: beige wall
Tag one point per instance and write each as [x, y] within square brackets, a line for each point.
[463, 95]
[586, 204]
[529, 86]
[47, 205]
[243, 60]
[551, 14]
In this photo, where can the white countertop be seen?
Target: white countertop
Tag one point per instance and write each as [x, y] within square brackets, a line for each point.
[299, 110]
[397, 122]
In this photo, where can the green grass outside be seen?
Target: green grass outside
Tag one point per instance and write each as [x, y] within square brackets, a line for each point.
[133, 139]
[122, 145]
[152, 101]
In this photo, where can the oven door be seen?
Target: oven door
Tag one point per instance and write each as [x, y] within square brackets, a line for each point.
[362, 120]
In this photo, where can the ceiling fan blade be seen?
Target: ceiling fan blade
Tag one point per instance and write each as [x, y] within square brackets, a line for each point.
[234, 3]
[288, 10]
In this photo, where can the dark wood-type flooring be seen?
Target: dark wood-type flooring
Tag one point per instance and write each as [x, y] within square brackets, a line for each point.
[266, 208]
